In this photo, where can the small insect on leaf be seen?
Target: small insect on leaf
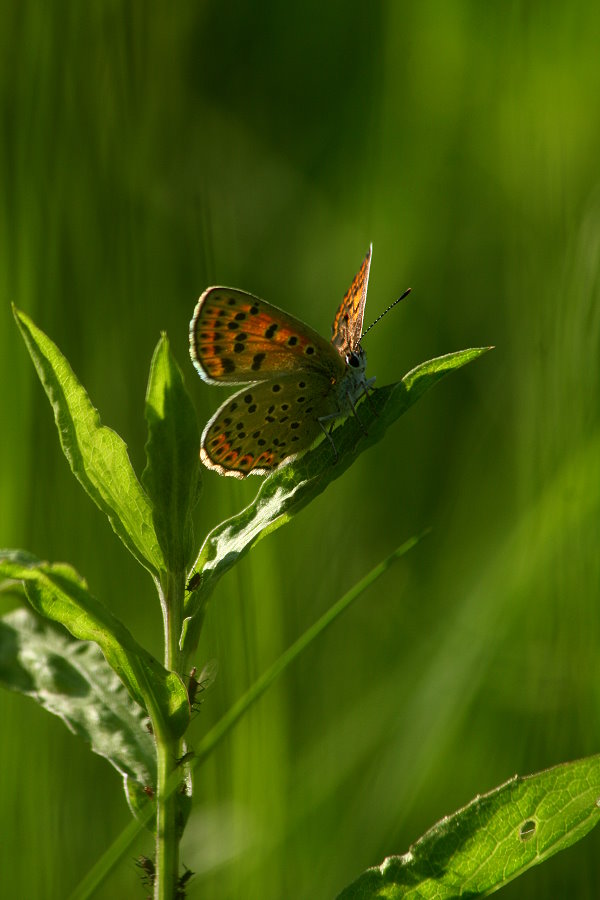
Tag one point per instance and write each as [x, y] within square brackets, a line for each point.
[148, 870]
[181, 883]
[185, 758]
[198, 685]
[193, 582]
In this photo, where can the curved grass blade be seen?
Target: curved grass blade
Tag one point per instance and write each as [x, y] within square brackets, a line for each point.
[284, 493]
[59, 593]
[493, 840]
[241, 706]
[97, 455]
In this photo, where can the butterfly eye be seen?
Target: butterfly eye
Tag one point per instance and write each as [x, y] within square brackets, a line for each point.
[352, 359]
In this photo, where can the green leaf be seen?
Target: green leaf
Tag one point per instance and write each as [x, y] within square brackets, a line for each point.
[97, 455]
[492, 840]
[171, 477]
[284, 493]
[71, 679]
[58, 592]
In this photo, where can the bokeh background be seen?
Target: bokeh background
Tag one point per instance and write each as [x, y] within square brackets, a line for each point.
[149, 150]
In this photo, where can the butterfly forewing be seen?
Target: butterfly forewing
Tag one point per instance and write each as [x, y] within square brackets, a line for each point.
[348, 322]
[265, 424]
[236, 338]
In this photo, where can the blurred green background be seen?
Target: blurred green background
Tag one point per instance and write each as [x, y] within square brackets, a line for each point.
[149, 150]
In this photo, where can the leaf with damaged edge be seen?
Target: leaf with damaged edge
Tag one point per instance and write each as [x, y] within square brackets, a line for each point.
[59, 593]
[493, 840]
[72, 680]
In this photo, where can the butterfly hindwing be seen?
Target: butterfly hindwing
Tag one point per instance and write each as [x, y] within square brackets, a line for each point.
[236, 338]
[265, 424]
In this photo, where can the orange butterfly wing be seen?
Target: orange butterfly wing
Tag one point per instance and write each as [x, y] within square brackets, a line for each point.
[348, 322]
[236, 338]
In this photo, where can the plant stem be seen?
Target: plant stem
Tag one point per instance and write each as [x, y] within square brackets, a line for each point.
[168, 830]
[167, 837]
[171, 601]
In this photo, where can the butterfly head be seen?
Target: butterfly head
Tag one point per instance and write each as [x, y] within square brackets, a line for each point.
[357, 358]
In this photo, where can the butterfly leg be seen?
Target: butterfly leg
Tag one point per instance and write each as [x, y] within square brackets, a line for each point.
[370, 402]
[355, 414]
[367, 387]
[327, 433]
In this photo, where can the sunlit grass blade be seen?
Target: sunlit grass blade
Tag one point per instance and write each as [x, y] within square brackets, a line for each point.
[288, 490]
[104, 865]
[97, 455]
[259, 687]
[171, 476]
[71, 679]
[59, 593]
[493, 840]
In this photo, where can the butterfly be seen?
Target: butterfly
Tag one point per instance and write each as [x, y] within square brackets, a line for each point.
[297, 383]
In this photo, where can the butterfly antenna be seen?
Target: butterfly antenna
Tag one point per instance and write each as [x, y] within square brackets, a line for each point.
[385, 312]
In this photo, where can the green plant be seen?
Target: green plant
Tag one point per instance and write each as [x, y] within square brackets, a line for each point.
[140, 724]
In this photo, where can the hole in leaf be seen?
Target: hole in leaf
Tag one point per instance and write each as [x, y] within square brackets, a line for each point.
[527, 830]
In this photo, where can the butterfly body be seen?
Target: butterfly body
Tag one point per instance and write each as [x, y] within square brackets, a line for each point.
[295, 381]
